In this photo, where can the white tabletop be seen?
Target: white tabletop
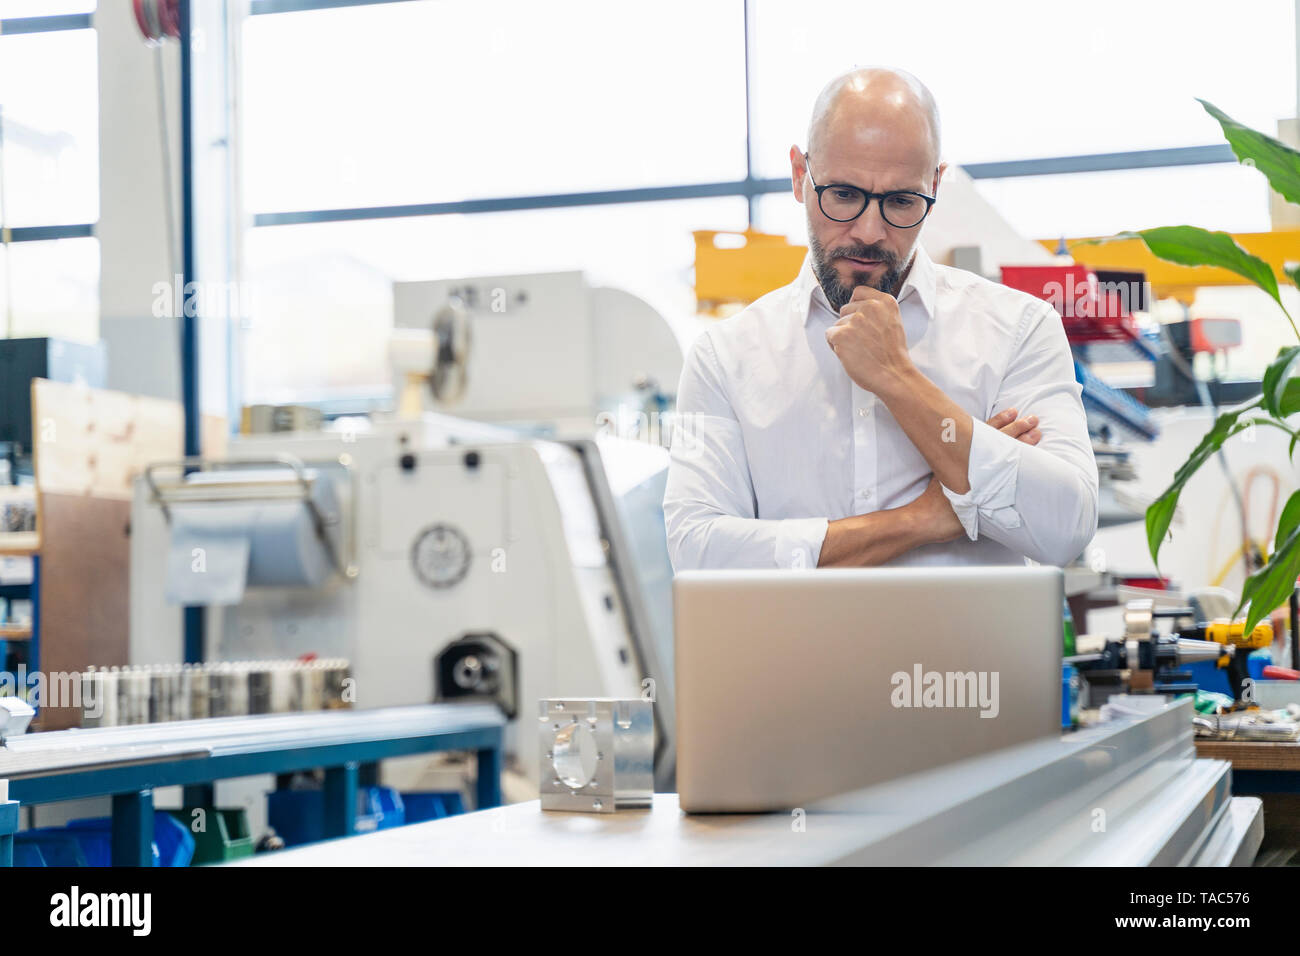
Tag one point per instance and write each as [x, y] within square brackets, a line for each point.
[522, 834]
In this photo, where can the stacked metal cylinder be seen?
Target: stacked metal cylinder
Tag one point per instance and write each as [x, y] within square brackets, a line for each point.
[118, 696]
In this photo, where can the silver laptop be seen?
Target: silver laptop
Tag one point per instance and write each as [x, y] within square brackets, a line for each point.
[798, 685]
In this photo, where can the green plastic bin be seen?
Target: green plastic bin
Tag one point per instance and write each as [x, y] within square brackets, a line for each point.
[226, 835]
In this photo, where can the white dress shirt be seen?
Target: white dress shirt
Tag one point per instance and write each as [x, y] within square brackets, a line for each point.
[773, 439]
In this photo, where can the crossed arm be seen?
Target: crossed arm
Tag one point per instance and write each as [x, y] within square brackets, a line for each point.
[1038, 498]
[872, 539]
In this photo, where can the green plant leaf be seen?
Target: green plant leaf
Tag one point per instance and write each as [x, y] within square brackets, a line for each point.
[1160, 514]
[1279, 163]
[1287, 523]
[1290, 403]
[1272, 584]
[1290, 517]
[1277, 377]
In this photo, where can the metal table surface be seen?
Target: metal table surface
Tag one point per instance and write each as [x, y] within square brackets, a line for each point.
[1033, 804]
[522, 834]
[129, 763]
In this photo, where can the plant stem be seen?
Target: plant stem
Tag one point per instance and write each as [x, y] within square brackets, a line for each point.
[1294, 330]
[1274, 422]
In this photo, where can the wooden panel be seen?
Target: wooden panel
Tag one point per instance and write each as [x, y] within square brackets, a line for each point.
[214, 437]
[19, 543]
[1252, 754]
[89, 441]
[90, 444]
[85, 589]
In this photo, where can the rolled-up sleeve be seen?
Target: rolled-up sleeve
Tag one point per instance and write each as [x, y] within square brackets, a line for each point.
[709, 505]
[1041, 500]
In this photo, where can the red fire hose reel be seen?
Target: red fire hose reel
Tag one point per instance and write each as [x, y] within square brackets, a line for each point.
[157, 19]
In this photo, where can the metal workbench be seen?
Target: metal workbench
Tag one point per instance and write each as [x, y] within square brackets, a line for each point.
[1131, 792]
[129, 763]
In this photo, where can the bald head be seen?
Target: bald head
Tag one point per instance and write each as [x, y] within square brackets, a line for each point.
[873, 107]
[877, 131]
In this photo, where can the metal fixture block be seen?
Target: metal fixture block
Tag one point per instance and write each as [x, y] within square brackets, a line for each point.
[597, 754]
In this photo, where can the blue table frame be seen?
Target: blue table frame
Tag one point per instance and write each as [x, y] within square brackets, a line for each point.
[31, 592]
[132, 786]
[8, 827]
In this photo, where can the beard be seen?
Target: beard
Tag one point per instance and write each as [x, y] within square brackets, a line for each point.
[837, 293]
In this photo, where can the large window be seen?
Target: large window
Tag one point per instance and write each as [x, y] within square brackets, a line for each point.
[322, 292]
[1017, 79]
[1020, 79]
[49, 174]
[414, 103]
[50, 288]
[13, 9]
[430, 102]
[404, 118]
[48, 94]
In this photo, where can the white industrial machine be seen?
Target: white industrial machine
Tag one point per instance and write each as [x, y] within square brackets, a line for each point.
[544, 350]
[446, 559]
[463, 564]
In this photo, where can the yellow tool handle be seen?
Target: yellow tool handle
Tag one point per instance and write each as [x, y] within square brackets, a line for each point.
[1233, 632]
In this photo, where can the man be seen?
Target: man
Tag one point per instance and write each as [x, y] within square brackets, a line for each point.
[870, 412]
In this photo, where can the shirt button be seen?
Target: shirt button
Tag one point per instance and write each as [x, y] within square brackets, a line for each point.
[864, 495]
[862, 413]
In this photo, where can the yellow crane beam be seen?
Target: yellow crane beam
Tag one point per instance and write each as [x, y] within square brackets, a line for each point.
[734, 269]
[1169, 280]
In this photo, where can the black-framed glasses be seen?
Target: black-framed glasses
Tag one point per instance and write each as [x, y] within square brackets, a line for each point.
[901, 208]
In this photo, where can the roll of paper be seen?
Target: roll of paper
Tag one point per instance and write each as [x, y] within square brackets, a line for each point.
[218, 548]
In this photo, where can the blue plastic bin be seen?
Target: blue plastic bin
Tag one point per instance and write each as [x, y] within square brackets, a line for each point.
[53, 846]
[432, 805]
[1209, 676]
[28, 854]
[1069, 695]
[383, 805]
[89, 842]
[96, 839]
[298, 816]
[173, 841]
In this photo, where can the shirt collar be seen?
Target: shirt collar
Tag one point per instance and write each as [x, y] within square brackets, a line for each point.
[921, 281]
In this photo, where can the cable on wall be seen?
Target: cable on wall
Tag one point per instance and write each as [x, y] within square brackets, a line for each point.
[158, 20]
